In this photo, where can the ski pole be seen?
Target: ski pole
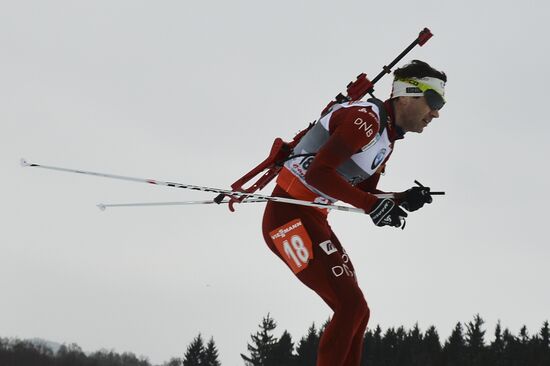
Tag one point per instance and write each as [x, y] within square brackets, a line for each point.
[103, 206]
[248, 197]
[227, 192]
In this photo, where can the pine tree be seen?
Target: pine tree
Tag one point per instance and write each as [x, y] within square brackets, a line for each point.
[308, 347]
[390, 347]
[414, 342]
[455, 347]
[372, 352]
[524, 335]
[498, 344]
[401, 334]
[497, 347]
[512, 348]
[474, 335]
[323, 327]
[263, 344]
[475, 341]
[431, 348]
[405, 352]
[210, 355]
[545, 335]
[283, 352]
[543, 349]
[4, 351]
[193, 355]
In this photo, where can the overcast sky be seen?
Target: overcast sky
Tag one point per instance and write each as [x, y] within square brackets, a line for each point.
[195, 92]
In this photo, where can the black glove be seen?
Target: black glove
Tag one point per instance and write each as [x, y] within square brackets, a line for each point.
[416, 197]
[386, 212]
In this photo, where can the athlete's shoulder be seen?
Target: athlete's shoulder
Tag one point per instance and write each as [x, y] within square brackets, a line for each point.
[365, 112]
[366, 107]
[362, 116]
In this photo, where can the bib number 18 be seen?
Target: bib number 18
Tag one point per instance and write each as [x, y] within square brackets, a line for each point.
[297, 251]
[293, 243]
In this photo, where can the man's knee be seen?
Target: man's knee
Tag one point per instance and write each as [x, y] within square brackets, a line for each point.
[362, 315]
[355, 305]
[366, 314]
[363, 309]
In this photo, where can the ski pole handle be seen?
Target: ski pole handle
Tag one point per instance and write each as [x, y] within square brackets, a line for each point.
[430, 193]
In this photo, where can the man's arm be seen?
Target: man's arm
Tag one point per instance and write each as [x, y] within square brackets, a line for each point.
[370, 184]
[350, 131]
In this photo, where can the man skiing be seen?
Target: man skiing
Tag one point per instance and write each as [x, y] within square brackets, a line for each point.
[341, 158]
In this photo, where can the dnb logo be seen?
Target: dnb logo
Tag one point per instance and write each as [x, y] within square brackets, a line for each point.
[378, 159]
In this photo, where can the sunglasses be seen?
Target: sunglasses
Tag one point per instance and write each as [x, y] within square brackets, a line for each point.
[434, 100]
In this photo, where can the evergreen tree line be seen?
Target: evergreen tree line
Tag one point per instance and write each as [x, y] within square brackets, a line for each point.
[466, 346]
[15, 352]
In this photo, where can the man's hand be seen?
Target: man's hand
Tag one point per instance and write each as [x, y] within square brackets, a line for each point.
[387, 212]
[414, 198]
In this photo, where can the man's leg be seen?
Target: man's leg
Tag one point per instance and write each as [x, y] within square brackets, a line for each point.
[328, 272]
[341, 343]
[356, 350]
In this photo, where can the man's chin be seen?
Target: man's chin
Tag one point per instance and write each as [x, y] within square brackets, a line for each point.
[421, 128]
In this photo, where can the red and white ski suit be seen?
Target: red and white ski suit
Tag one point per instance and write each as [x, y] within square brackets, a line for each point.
[351, 146]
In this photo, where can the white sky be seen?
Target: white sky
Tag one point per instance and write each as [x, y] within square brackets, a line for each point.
[196, 92]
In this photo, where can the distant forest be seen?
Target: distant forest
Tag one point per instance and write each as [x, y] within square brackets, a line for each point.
[468, 345]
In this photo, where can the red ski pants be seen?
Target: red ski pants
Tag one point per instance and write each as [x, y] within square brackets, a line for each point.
[319, 261]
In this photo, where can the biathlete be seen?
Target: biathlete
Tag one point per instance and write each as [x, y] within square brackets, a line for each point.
[341, 158]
